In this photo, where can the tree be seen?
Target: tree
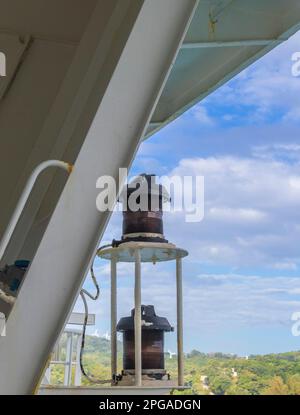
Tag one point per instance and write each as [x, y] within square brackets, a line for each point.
[220, 384]
[276, 387]
[293, 383]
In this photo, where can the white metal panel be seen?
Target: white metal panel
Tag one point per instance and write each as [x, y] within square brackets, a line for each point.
[78, 319]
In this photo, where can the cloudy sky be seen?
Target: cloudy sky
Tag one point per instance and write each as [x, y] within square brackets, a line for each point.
[242, 275]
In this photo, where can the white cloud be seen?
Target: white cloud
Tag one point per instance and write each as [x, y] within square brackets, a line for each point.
[293, 114]
[251, 212]
[289, 151]
[266, 86]
[286, 265]
[213, 300]
[228, 117]
[201, 114]
[236, 215]
[244, 299]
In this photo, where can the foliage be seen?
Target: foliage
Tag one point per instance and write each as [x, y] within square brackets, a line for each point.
[277, 386]
[214, 373]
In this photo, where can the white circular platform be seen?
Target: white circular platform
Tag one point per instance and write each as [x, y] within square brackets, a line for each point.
[150, 252]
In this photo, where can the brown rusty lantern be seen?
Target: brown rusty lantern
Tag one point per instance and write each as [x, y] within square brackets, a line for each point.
[153, 329]
[143, 213]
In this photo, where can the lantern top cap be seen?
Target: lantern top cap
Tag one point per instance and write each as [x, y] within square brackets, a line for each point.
[150, 321]
[145, 184]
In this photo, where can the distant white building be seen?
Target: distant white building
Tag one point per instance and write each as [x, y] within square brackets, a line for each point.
[171, 354]
[96, 333]
[204, 381]
[234, 373]
[106, 336]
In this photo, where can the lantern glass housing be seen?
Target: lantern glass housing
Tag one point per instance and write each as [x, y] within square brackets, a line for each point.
[153, 329]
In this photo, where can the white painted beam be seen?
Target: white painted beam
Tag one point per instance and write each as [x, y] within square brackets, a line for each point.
[137, 72]
[229, 43]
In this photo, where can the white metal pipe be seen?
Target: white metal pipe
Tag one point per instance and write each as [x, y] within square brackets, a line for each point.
[229, 43]
[68, 360]
[113, 305]
[179, 322]
[24, 197]
[138, 319]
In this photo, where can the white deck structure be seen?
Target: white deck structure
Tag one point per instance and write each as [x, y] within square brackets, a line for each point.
[86, 82]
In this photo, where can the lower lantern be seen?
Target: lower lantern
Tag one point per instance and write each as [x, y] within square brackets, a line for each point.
[153, 356]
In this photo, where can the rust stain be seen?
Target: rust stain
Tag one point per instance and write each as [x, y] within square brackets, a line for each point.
[70, 168]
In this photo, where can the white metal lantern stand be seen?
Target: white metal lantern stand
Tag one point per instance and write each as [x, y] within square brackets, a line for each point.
[139, 252]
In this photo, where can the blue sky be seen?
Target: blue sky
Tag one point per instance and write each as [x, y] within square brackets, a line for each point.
[242, 277]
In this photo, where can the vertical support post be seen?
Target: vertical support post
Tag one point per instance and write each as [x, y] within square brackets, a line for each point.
[113, 305]
[179, 322]
[47, 376]
[68, 361]
[138, 320]
[77, 381]
[57, 350]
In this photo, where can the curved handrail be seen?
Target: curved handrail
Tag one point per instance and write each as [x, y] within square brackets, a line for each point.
[24, 197]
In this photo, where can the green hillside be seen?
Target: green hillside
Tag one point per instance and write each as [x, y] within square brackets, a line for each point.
[216, 373]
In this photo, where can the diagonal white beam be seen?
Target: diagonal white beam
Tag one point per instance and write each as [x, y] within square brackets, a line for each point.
[69, 243]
